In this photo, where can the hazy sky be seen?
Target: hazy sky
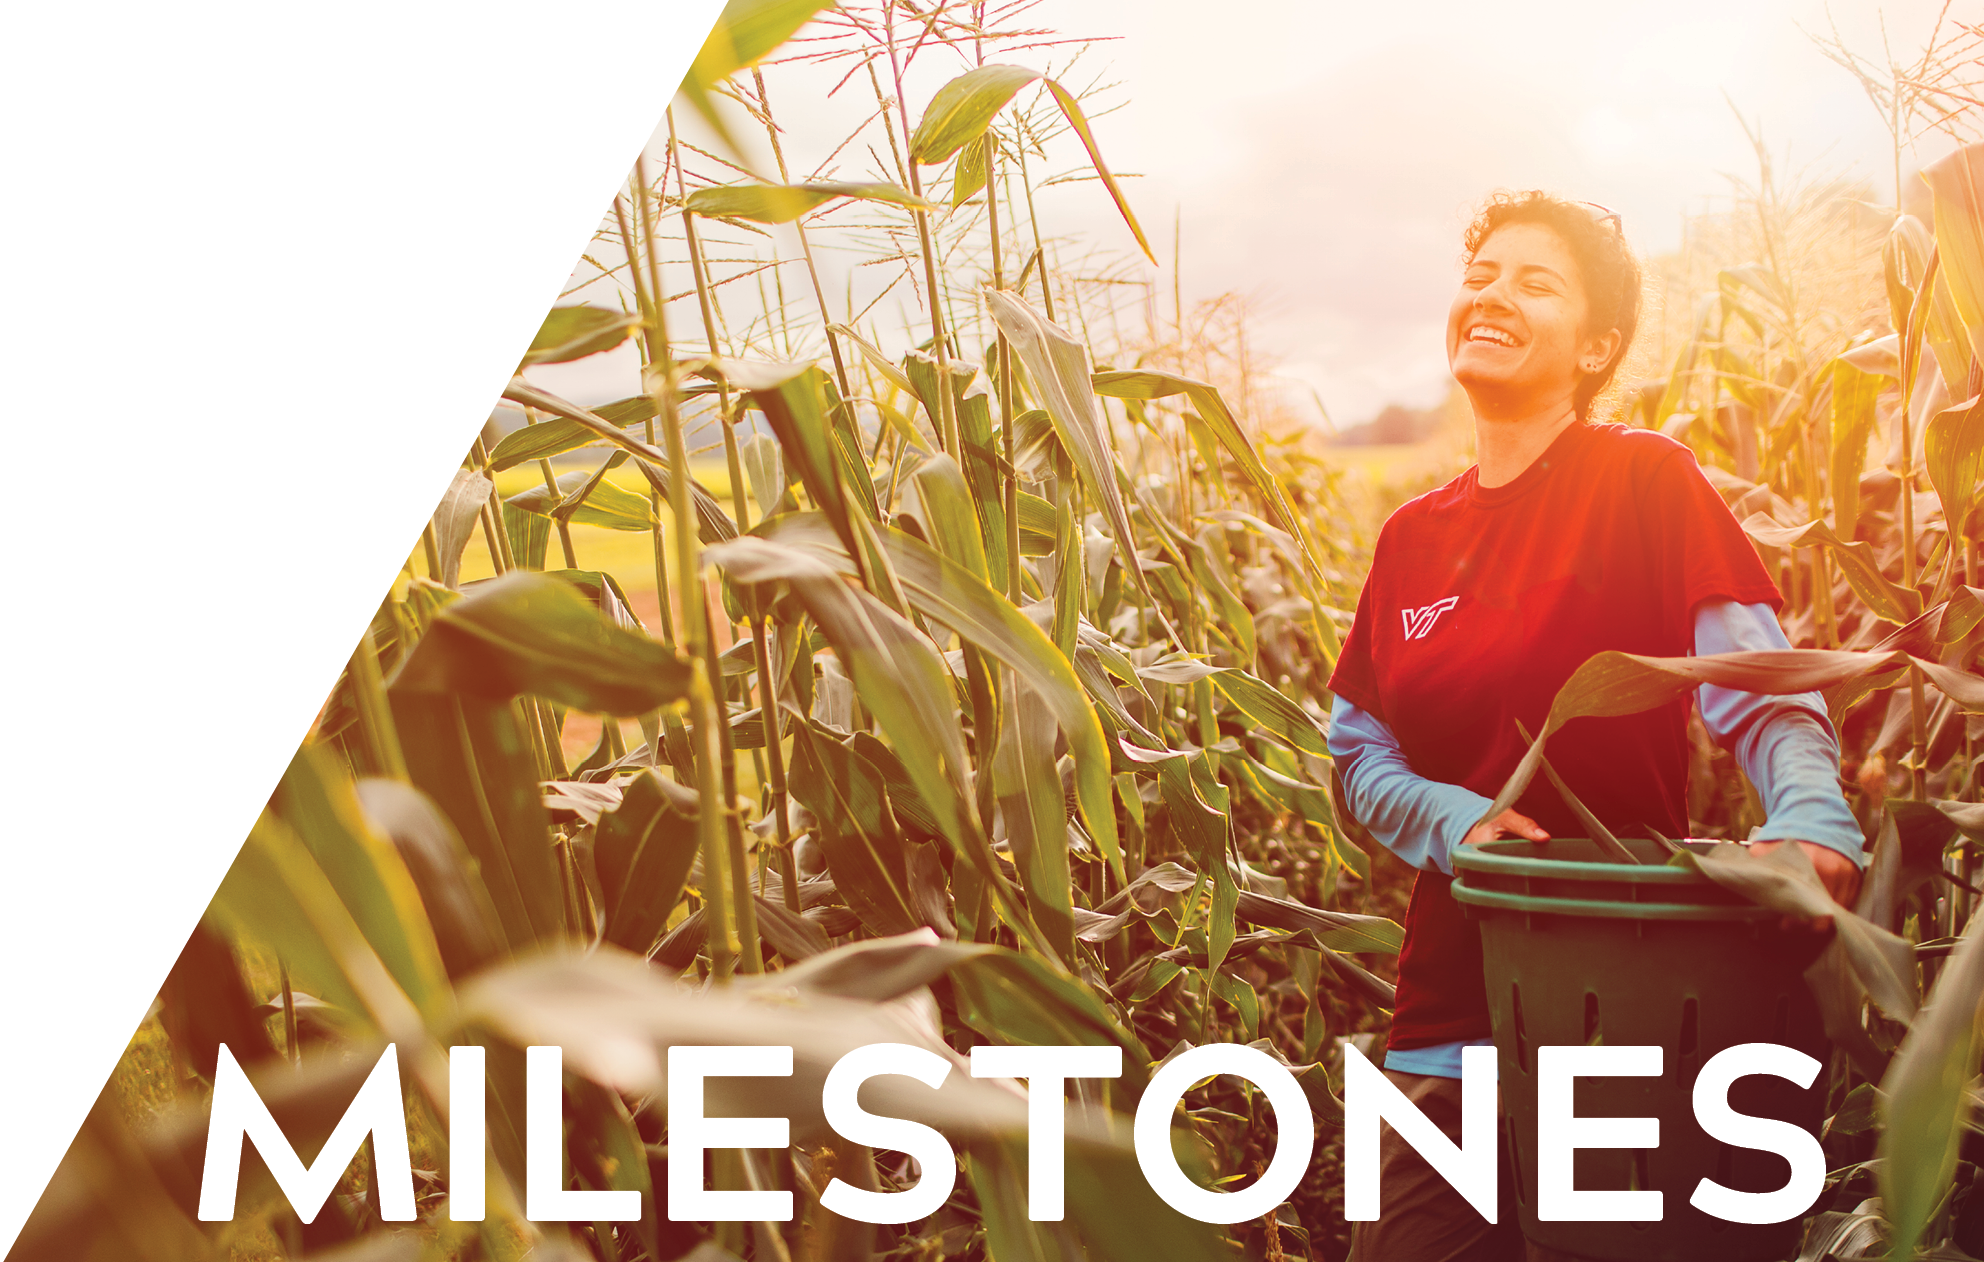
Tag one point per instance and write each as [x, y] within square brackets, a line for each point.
[1323, 156]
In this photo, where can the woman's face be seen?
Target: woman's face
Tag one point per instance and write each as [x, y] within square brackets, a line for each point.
[1516, 339]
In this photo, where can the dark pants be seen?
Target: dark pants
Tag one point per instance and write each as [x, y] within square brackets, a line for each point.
[1423, 1219]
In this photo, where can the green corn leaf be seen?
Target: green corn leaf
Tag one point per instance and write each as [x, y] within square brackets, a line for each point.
[466, 747]
[877, 970]
[904, 683]
[615, 508]
[764, 468]
[467, 929]
[1784, 880]
[604, 504]
[712, 523]
[1310, 801]
[1910, 247]
[790, 934]
[745, 33]
[972, 405]
[1881, 356]
[1956, 183]
[1340, 931]
[796, 399]
[1120, 1217]
[1925, 1097]
[1610, 848]
[1854, 396]
[783, 203]
[539, 442]
[530, 536]
[1028, 787]
[471, 756]
[969, 178]
[963, 108]
[1037, 524]
[605, 1150]
[570, 333]
[1233, 622]
[900, 675]
[1058, 364]
[1612, 683]
[528, 633]
[910, 809]
[946, 592]
[1196, 803]
[998, 1182]
[881, 364]
[1961, 614]
[316, 800]
[1887, 600]
[1369, 984]
[1271, 712]
[1217, 417]
[631, 410]
[643, 850]
[455, 519]
[559, 435]
[946, 514]
[1069, 570]
[1071, 109]
[856, 828]
[276, 895]
[1953, 450]
[1018, 1000]
[1241, 998]
[603, 592]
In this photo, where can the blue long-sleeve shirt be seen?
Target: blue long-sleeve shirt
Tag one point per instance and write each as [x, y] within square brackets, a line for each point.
[1784, 744]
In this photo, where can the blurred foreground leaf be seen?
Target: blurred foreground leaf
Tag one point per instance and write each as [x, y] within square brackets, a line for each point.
[1926, 1094]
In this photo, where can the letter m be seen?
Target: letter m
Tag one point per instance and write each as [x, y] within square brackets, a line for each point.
[239, 1114]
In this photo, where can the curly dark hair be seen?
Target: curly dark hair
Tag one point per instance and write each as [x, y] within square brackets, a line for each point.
[1606, 265]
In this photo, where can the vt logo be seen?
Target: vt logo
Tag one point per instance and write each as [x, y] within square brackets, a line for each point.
[1419, 621]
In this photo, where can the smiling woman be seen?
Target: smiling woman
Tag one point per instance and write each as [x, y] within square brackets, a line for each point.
[1567, 539]
[1547, 306]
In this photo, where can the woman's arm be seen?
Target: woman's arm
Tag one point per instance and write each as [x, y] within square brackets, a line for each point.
[1788, 749]
[1785, 745]
[1419, 820]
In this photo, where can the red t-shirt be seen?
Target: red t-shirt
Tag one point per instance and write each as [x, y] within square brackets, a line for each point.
[1479, 605]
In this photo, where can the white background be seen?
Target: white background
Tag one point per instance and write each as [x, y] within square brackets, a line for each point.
[265, 267]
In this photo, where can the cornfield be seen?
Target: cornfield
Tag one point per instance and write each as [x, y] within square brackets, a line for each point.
[975, 692]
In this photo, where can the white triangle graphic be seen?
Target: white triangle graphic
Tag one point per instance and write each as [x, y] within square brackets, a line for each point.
[268, 268]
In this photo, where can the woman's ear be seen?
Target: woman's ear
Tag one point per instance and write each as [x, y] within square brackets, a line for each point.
[1597, 353]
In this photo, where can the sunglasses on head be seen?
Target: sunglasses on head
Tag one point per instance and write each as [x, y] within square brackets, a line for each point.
[1605, 214]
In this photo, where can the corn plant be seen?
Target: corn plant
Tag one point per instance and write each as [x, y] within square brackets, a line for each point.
[1824, 366]
[981, 700]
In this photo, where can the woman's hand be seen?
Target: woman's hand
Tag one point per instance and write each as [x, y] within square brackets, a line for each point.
[1839, 874]
[1507, 824]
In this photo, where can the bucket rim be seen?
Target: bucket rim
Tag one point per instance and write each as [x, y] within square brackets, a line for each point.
[1605, 909]
[1516, 857]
